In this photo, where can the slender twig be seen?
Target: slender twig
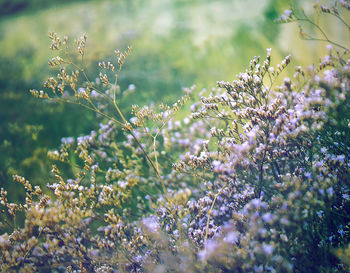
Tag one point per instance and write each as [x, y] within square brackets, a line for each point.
[209, 213]
[326, 39]
[342, 20]
[9, 224]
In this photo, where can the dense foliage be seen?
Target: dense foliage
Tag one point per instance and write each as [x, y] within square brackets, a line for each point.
[256, 179]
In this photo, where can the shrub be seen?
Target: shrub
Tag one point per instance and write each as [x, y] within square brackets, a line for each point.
[255, 180]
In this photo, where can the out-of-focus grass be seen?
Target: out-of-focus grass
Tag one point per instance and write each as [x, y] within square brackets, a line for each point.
[203, 38]
[176, 43]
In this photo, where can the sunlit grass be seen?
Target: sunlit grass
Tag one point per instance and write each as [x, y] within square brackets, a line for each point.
[187, 36]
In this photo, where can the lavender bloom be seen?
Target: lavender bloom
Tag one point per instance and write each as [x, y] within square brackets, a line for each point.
[151, 224]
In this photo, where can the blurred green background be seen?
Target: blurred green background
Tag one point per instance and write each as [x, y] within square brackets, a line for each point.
[176, 43]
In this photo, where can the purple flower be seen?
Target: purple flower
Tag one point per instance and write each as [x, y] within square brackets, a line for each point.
[308, 175]
[94, 94]
[288, 12]
[231, 237]
[209, 249]
[267, 217]
[151, 224]
[67, 140]
[267, 249]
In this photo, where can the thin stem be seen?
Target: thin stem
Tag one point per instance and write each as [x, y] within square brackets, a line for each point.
[341, 19]
[152, 163]
[326, 39]
[261, 176]
[315, 25]
[91, 109]
[156, 135]
[209, 213]
[114, 95]
[9, 224]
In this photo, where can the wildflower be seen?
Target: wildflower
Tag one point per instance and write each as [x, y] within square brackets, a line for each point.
[151, 224]
[131, 87]
[267, 249]
[287, 12]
